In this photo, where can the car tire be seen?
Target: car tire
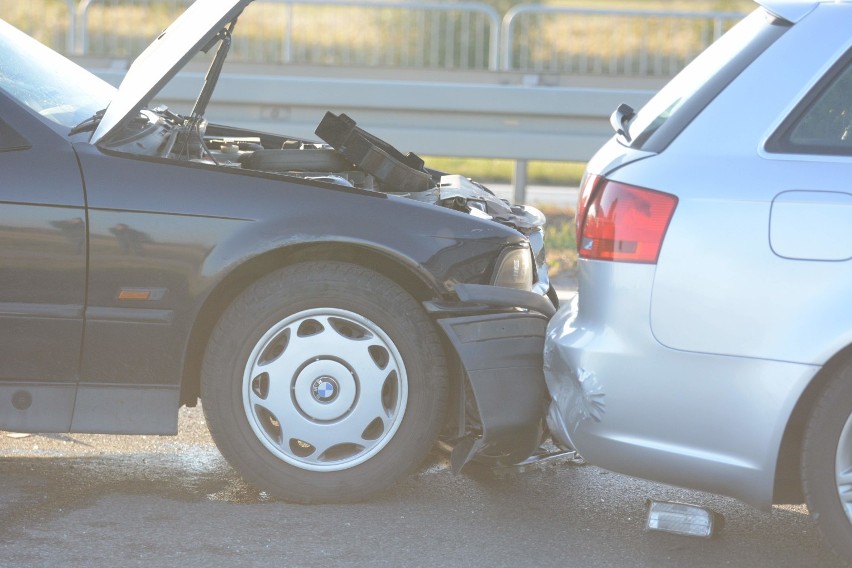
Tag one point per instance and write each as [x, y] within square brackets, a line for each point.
[324, 382]
[827, 463]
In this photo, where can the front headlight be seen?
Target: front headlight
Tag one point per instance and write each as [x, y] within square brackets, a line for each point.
[514, 269]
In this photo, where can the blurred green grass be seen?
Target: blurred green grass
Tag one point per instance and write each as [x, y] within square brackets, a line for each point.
[500, 171]
[560, 240]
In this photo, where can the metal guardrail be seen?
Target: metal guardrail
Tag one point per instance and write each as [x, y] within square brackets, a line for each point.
[558, 39]
[315, 32]
[416, 34]
[471, 120]
[52, 24]
[483, 117]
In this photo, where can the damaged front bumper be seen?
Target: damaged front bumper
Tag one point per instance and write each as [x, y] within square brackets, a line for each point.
[498, 337]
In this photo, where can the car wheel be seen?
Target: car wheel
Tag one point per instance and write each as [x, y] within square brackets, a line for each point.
[324, 382]
[827, 463]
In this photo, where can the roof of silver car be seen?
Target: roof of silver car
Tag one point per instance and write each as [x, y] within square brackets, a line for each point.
[790, 10]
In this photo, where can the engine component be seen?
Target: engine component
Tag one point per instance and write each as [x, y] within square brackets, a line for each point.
[400, 172]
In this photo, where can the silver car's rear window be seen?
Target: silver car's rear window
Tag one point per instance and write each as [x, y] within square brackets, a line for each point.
[667, 114]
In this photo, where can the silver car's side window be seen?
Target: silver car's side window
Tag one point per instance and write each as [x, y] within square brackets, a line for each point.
[822, 123]
[829, 121]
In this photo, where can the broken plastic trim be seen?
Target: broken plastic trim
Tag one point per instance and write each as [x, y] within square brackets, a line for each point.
[401, 173]
[505, 298]
[682, 519]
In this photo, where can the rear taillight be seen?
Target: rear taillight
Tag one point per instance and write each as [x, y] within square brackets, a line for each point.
[622, 222]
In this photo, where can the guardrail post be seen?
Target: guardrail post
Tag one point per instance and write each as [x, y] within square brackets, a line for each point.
[288, 35]
[81, 19]
[71, 32]
[519, 180]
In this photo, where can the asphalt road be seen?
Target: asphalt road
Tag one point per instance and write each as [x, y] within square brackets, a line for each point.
[87, 500]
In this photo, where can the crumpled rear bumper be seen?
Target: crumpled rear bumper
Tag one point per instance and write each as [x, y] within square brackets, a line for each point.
[498, 336]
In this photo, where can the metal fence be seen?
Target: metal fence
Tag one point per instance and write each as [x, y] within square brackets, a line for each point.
[550, 39]
[423, 35]
[315, 32]
[52, 22]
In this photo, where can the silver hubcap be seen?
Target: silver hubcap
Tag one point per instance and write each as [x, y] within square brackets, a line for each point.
[843, 468]
[325, 389]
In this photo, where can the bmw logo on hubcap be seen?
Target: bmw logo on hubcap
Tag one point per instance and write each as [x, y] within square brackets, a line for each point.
[325, 389]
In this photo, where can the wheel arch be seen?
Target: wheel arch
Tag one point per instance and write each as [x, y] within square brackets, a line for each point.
[242, 275]
[788, 478]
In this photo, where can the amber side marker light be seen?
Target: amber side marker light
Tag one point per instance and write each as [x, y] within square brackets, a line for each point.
[143, 294]
[134, 294]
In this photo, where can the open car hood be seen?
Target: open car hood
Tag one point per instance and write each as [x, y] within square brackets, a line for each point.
[161, 60]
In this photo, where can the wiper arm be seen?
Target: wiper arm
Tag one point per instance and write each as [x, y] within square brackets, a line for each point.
[89, 124]
[619, 118]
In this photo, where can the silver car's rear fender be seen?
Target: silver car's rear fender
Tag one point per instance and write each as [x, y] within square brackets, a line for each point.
[718, 421]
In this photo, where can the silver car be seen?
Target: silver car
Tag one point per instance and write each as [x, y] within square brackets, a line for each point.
[710, 343]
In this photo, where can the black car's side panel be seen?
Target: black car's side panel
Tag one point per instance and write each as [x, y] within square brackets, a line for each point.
[164, 235]
[36, 407]
[42, 274]
[145, 282]
[42, 256]
[118, 409]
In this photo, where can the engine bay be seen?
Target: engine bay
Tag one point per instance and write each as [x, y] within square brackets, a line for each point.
[348, 156]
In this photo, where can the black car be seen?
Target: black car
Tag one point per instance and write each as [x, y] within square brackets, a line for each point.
[336, 305]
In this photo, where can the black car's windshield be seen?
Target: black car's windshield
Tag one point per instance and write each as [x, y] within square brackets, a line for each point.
[51, 85]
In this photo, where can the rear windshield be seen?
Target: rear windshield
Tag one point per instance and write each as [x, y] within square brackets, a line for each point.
[667, 114]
